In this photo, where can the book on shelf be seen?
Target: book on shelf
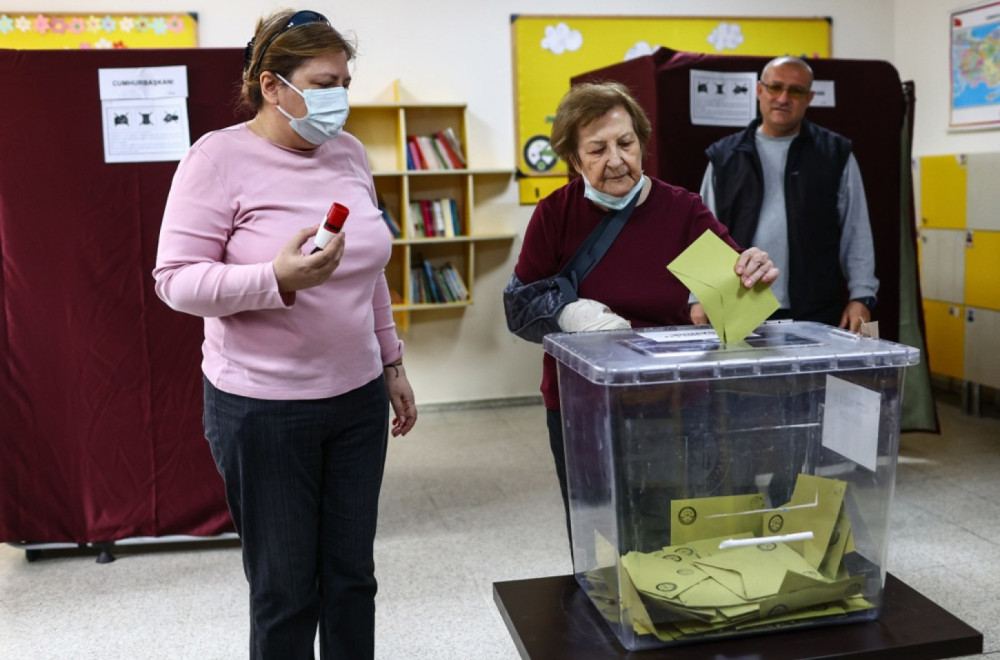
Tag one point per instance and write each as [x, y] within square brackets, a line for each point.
[431, 158]
[447, 219]
[435, 218]
[427, 209]
[445, 294]
[436, 284]
[438, 212]
[418, 285]
[456, 146]
[439, 151]
[417, 154]
[416, 219]
[451, 147]
[390, 221]
[428, 275]
[456, 281]
[456, 219]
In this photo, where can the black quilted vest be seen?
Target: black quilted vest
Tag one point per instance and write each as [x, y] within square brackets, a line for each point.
[816, 159]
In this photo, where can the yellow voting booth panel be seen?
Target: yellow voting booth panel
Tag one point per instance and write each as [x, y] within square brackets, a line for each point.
[943, 185]
[945, 326]
[982, 267]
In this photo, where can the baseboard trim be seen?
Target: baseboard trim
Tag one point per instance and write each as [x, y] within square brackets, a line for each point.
[482, 403]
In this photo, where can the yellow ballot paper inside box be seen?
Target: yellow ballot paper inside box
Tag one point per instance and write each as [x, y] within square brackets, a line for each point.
[661, 577]
[815, 507]
[831, 566]
[762, 567]
[612, 567]
[708, 517]
[797, 592]
[706, 269]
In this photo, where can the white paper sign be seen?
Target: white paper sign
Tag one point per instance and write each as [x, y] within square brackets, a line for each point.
[824, 95]
[144, 113]
[723, 99]
[663, 336]
[677, 336]
[850, 421]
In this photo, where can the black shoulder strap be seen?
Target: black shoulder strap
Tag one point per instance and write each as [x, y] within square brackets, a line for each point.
[597, 243]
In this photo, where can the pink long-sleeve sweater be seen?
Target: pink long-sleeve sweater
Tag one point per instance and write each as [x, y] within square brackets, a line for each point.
[235, 201]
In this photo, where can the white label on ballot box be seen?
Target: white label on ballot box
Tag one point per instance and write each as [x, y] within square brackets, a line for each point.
[685, 335]
[850, 421]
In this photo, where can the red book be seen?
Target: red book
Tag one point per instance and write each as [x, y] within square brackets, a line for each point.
[456, 147]
[428, 212]
[449, 153]
[419, 160]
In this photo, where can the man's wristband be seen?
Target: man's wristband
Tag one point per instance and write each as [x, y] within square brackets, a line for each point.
[867, 301]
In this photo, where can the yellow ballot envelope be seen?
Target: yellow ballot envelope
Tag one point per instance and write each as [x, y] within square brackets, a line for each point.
[706, 269]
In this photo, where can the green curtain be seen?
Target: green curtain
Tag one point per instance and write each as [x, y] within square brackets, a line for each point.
[919, 412]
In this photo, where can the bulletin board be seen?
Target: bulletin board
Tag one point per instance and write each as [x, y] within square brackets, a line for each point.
[81, 30]
[549, 50]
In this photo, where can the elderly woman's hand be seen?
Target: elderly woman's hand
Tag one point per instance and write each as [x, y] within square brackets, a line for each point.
[585, 314]
[755, 266]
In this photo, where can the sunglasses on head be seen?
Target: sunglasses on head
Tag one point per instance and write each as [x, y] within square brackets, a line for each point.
[304, 17]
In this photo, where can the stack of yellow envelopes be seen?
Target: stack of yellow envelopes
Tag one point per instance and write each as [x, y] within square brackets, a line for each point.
[734, 566]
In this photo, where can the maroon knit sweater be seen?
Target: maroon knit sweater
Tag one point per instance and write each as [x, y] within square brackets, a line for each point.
[632, 277]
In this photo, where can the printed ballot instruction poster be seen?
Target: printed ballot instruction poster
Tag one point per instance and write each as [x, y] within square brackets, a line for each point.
[730, 99]
[723, 99]
[145, 116]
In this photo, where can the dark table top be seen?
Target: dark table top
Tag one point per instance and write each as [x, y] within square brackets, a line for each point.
[551, 618]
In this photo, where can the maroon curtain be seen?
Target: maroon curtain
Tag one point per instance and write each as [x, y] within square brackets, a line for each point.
[100, 383]
[870, 110]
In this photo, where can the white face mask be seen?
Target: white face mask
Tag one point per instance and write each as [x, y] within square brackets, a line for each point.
[610, 201]
[326, 112]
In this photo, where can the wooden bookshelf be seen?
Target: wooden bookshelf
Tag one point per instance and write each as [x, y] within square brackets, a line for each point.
[384, 128]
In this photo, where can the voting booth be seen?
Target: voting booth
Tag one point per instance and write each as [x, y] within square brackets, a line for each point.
[729, 489]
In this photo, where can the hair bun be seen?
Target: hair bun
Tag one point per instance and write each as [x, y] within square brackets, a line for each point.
[248, 53]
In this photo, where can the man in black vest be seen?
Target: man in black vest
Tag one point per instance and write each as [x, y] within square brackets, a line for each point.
[794, 189]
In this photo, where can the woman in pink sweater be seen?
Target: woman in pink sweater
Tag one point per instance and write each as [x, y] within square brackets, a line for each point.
[301, 357]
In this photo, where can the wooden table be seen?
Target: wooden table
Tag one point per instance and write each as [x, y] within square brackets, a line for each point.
[551, 618]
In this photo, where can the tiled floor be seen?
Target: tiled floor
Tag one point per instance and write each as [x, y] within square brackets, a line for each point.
[470, 498]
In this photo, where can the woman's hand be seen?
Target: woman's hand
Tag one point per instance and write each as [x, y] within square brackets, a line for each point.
[585, 314]
[401, 398]
[295, 270]
[755, 266]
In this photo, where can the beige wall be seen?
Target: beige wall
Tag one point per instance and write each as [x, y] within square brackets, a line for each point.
[921, 55]
[451, 50]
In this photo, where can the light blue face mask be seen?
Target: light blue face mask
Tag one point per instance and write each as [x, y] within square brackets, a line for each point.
[610, 201]
[326, 112]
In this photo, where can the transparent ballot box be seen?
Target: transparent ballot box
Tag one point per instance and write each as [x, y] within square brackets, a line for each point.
[729, 489]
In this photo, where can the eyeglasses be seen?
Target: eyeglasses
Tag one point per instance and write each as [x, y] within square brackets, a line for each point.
[794, 91]
[304, 17]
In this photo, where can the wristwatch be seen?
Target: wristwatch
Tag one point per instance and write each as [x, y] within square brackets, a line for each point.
[867, 301]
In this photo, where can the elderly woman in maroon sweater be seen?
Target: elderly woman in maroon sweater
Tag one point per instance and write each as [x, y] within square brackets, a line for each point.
[601, 132]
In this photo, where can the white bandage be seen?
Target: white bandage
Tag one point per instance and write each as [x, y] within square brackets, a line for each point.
[586, 314]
